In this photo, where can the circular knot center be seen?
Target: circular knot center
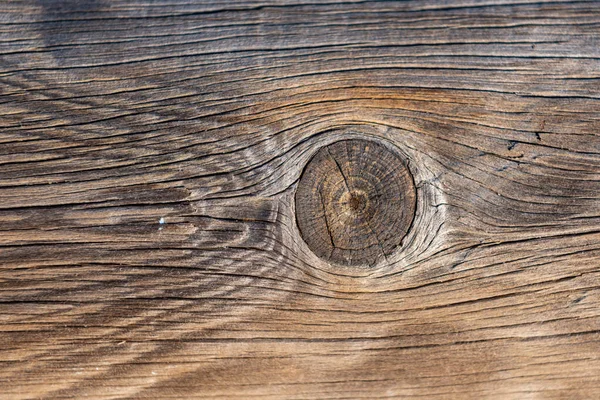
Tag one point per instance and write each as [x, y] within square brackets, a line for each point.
[355, 201]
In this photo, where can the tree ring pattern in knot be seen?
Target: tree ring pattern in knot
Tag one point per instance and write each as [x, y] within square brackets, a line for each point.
[355, 202]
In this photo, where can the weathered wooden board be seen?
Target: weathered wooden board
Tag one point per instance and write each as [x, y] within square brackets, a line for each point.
[150, 153]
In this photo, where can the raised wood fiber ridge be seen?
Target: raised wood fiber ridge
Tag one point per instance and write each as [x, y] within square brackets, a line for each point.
[151, 155]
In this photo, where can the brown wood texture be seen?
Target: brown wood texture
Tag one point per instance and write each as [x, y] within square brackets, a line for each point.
[150, 153]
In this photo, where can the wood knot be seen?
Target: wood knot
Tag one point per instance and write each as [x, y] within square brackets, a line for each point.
[355, 202]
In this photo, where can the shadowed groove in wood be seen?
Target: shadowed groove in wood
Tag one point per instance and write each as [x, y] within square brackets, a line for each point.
[355, 202]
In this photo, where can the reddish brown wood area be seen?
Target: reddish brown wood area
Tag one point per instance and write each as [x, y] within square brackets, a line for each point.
[158, 238]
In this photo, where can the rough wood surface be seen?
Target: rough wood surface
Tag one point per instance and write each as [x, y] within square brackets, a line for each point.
[150, 153]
